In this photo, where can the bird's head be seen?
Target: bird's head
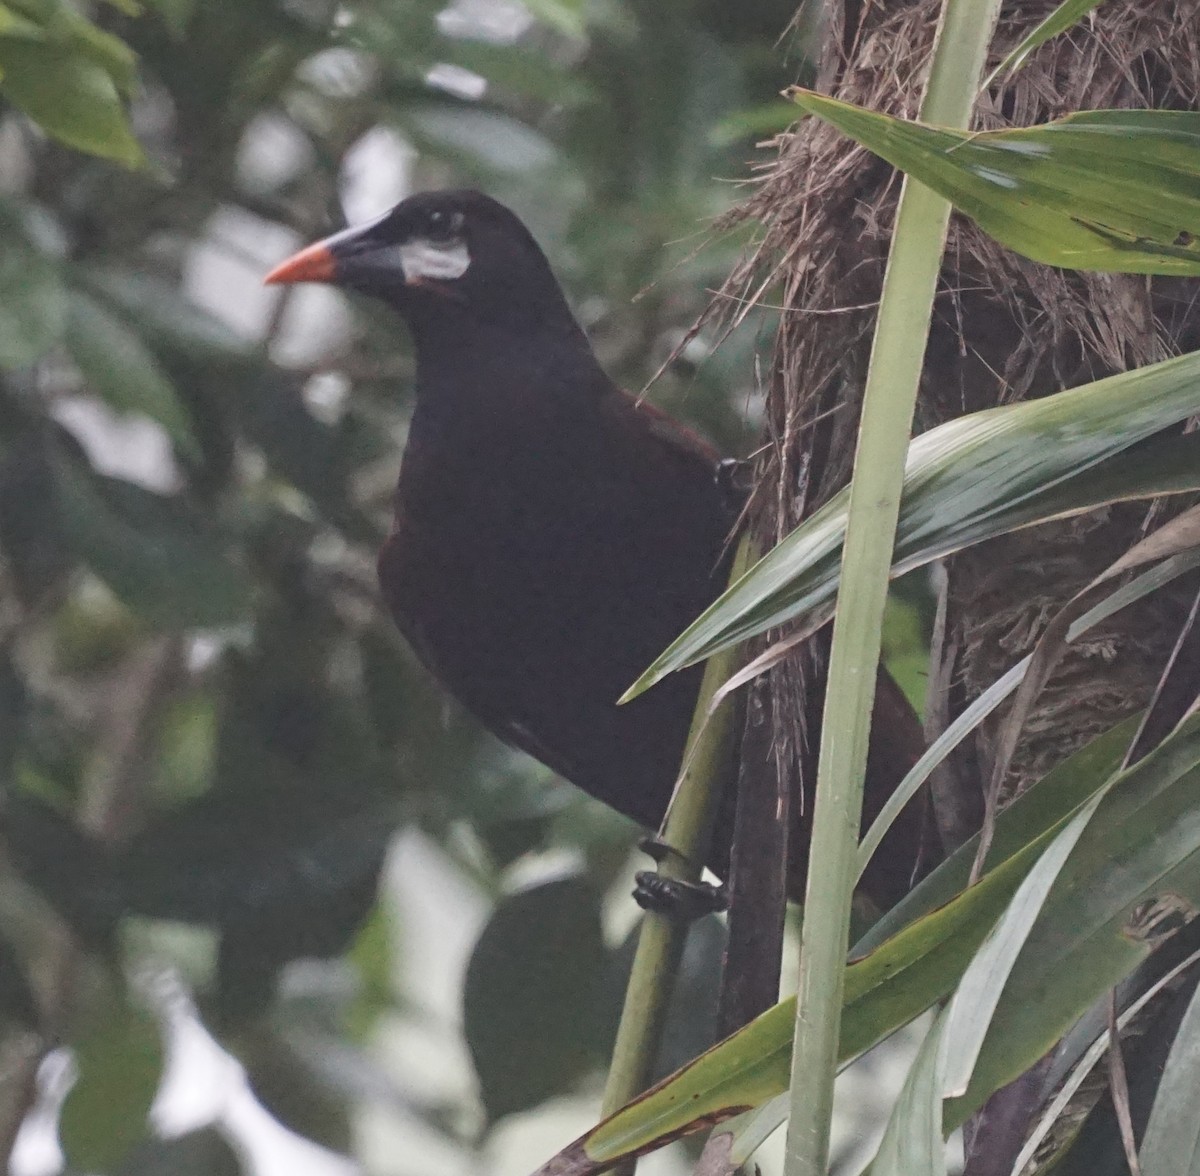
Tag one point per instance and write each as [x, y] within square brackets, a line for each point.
[434, 252]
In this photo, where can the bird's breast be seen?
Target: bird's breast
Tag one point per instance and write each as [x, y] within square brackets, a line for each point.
[546, 562]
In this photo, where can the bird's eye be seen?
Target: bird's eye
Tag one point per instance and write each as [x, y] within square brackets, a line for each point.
[444, 226]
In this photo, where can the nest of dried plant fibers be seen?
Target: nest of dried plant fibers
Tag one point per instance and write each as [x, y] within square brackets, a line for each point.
[1005, 329]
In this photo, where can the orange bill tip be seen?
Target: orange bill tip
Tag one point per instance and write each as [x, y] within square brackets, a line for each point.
[314, 264]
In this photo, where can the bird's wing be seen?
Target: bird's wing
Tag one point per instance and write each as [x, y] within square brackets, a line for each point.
[396, 567]
[662, 433]
[519, 735]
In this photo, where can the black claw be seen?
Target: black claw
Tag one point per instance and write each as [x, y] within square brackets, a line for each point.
[686, 901]
[655, 848]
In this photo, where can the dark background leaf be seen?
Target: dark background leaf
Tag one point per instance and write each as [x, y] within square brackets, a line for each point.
[535, 1007]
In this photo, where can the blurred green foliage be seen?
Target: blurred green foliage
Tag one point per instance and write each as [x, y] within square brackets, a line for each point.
[205, 716]
[69, 75]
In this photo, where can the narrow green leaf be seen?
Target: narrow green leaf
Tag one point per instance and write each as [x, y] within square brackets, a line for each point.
[13, 25]
[481, 138]
[1133, 878]
[520, 69]
[755, 122]
[567, 16]
[33, 303]
[924, 960]
[108, 51]
[967, 480]
[1171, 1143]
[1094, 927]
[743, 1071]
[749, 1131]
[1043, 806]
[1004, 686]
[912, 1140]
[119, 366]
[69, 95]
[119, 1054]
[165, 317]
[155, 555]
[1069, 12]
[175, 14]
[884, 990]
[1161, 465]
[30, 17]
[1078, 1071]
[1112, 190]
[969, 1013]
[60, 24]
[42, 12]
[964, 29]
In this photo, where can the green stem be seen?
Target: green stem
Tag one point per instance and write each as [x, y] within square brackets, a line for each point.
[889, 398]
[687, 829]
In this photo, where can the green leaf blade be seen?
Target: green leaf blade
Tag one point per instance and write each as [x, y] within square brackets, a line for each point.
[119, 366]
[70, 95]
[970, 1013]
[912, 1140]
[968, 480]
[1116, 191]
[1082, 942]
[1068, 13]
[153, 554]
[534, 989]
[33, 302]
[1171, 1143]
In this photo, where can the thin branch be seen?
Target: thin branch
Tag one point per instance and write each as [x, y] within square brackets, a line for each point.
[1119, 1088]
[687, 830]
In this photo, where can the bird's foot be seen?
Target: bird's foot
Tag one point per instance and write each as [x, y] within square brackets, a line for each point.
[686, 901]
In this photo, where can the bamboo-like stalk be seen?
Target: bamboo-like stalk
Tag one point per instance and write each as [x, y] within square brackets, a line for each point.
[897, 354]
[687, 830]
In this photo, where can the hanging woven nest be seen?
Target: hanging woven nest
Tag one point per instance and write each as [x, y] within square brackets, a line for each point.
[1005, 329]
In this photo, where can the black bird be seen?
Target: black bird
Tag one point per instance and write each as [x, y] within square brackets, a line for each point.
[552, 534]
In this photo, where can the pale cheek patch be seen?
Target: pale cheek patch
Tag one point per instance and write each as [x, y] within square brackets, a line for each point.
[423, 260]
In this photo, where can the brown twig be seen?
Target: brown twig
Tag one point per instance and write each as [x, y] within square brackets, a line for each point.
[1118, 1084]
